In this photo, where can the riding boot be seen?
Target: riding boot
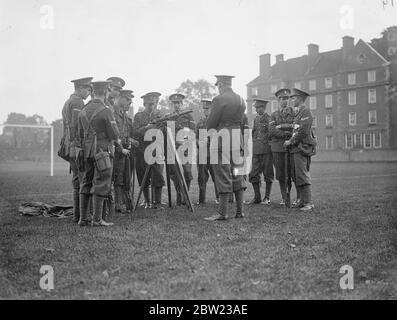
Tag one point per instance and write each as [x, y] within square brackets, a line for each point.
[257, 191]
[146, 196]
[202, 193]
[307, 200]
[239, 203]
[268, 189]
[97, 202]
[158, 195]
[118, 193]
[97, 220]
[84, 205]
[283, 191]
[76, 205]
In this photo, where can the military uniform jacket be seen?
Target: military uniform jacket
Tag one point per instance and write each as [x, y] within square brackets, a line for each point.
[70, 113]
[103, 125]
[285, 118]
[124, 124]
[141, 120]
[260, 134]
[302, 132]
[227, 112]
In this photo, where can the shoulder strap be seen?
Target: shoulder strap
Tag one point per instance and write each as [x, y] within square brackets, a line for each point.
[90, 120]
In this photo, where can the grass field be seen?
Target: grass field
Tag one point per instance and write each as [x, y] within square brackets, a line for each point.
[273, 253]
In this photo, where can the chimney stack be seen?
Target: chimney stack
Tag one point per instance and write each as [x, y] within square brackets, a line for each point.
[264, 64]
[279, 58]
[348, 44]
[313, 49]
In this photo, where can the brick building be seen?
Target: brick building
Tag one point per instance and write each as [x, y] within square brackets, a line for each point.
[353, 91]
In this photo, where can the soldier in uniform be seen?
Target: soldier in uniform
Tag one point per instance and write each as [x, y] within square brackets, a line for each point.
[281, 125]
[227, 112]
[205, 169]
[124, 124]
[262, 160]
[115, 86]
[301, 147]
[70, 112]
[182, 122]
[97, 133]
[142, 123]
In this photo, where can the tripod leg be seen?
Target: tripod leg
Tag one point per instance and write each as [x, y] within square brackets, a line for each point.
[145, 177]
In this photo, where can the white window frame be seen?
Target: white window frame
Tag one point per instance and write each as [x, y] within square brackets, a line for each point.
[352, 123]
[352, 94]
[327, 145]
[369, 117]
[380, 140]
[313, 101]
[355, 139]
[273, 88]
[351, 79]
[372, 76]
[327, 117]
[346, 139]
[298, 85]
[254, 91]
[371, 96]
[328, 101]
[313, 85]
[328, 83]
[365, 140]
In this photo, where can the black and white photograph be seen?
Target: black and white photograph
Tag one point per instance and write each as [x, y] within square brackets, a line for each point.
[198, 155]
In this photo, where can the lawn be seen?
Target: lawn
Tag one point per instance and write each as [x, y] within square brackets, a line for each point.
[273, 253]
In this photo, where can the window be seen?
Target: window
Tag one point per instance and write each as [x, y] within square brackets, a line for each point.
[329, 120]
[377, 140]
[328, 101]
[312, 85]
[273, 88]
[352, 118]
[372, 117]
[329, 142]
[351, 78]
[328, 83]
[352, 98]
[298, 85]
[358, 140]
[367, 140]
[313, 103]
[372, 96]
[372, 76]
[348, 141]
[314, 124]
[274, 105]
[254, 91]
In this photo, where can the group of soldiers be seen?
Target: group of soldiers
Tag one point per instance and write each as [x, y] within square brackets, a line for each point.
[104, 147]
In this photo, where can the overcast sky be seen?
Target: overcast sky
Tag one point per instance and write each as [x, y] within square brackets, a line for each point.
[157, 44]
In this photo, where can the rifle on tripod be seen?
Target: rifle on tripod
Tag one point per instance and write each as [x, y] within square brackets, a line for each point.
[160, 122]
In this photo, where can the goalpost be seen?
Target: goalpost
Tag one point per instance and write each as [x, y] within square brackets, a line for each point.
[3, 125]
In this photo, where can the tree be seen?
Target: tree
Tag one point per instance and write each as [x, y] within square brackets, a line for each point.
[194, 92]
[388, 38]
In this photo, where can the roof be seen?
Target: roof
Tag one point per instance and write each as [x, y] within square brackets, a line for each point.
[327, 62]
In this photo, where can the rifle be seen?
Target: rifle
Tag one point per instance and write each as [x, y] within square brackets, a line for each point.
[170, 117]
